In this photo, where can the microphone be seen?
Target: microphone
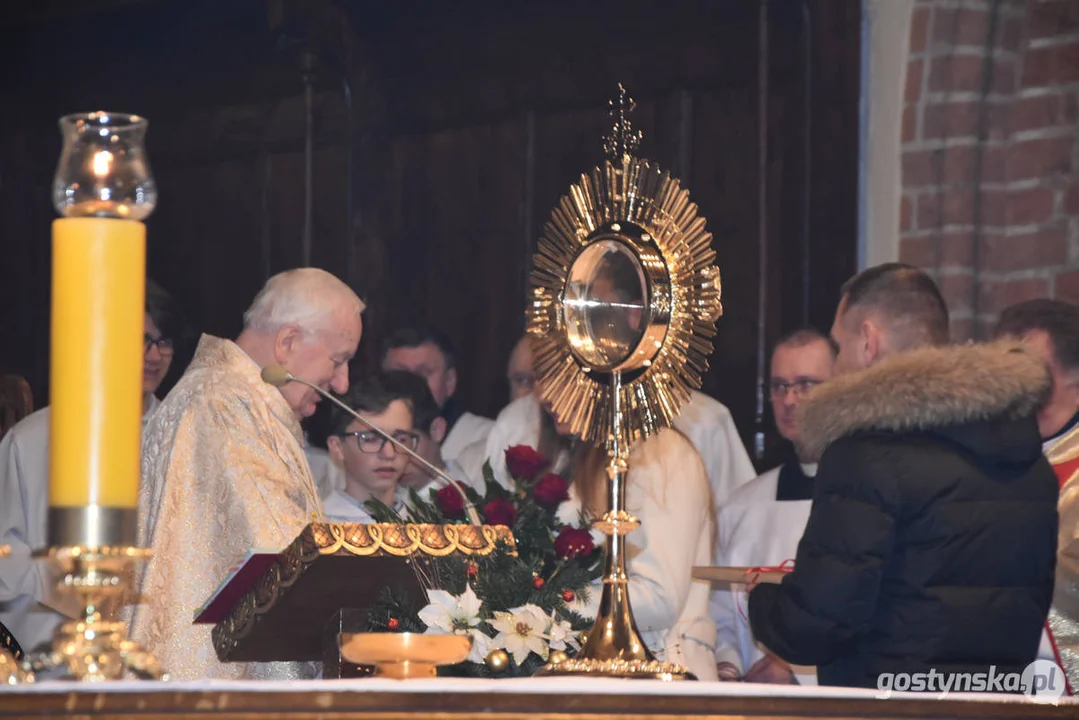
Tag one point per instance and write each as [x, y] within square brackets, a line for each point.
[278, 377]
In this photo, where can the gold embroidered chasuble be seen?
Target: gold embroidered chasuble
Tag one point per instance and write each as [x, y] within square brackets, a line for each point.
[223, 472]
[1064, 615]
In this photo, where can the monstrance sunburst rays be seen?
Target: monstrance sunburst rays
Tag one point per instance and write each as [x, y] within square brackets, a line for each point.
[619, 195]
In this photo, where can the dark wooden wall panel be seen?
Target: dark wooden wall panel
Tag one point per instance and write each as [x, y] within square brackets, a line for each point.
[26, 212]
[723, 182]
[203, 240]
[469, 121]
[456, 255]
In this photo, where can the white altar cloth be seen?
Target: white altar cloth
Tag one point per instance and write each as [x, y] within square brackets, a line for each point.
[524, 686]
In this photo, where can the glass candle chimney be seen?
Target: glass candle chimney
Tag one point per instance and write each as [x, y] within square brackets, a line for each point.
[103, 170]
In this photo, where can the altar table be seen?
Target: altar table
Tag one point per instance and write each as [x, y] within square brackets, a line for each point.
[446, 698]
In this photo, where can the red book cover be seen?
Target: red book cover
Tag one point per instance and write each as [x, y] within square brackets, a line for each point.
[240, 579]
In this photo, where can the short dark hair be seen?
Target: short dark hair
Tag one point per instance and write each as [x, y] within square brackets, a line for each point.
[1058, 319]
[370, 394]
[411, 337]
[806, 336]
[906, 297]
[415, 389]
[165, 312]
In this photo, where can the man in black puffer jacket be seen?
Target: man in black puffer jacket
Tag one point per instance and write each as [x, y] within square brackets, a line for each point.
[931, 541]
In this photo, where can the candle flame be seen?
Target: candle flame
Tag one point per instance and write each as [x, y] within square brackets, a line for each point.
[102, 163]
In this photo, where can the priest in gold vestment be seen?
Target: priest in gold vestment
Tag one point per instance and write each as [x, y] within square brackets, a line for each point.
[1064, 615]
[1051, 328]
[223, 467]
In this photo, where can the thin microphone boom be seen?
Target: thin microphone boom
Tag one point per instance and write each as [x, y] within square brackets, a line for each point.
[277, 376]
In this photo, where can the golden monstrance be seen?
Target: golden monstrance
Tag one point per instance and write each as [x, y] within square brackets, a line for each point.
[625, 299]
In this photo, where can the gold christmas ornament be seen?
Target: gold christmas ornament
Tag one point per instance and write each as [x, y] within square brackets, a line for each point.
[497, 661]
[557, 656]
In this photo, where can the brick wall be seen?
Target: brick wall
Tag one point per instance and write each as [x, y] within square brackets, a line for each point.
[990, 166]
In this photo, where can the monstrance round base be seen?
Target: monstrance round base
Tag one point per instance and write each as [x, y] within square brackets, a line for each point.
[635, 669]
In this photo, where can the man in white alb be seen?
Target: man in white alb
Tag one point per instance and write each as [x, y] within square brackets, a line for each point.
[705, 421]
[30, 605]
[762, 521]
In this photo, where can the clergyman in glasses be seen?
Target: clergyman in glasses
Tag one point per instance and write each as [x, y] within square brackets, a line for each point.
[762, 522]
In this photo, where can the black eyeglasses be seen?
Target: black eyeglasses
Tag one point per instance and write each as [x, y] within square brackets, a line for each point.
[800, 387]
[164, 344]
[369, 441]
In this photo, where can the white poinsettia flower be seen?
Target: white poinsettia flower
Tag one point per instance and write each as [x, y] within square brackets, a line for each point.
[561, 635]
[521, 631]
[569, 511]
[481, 645]
[451, 613]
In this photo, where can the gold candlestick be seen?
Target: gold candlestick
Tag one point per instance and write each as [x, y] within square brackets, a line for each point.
[95, 646]
[11, 671]
[103, 189]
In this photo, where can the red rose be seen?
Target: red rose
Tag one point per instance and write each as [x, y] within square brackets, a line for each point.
[573, 542]
[550, 491]
[450, 501]
[500, 512]
[524, 462]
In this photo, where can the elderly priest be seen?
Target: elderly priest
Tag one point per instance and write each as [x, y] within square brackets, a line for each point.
[224, 470]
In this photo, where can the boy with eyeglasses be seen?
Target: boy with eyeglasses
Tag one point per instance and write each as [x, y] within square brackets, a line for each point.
[372, 465]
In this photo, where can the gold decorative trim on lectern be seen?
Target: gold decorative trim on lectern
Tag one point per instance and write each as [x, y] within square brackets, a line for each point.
[406, 539]
[375, 540]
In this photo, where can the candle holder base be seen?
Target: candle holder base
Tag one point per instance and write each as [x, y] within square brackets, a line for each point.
[12, 671]
[95, 647]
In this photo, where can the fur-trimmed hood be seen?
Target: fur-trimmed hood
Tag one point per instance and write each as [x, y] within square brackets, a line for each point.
[925, 389]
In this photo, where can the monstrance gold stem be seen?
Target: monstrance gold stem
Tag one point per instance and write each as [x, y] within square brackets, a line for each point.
[614, 646]
[614, 635]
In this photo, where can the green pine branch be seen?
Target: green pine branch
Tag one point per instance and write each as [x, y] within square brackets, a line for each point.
[501, 580]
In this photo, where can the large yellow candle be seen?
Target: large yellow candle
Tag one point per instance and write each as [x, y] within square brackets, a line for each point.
[98, 311]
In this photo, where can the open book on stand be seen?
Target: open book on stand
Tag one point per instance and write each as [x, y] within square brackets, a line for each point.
[292, 604]
[240, 579]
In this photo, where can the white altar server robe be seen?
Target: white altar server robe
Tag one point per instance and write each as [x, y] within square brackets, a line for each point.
[668, 492]
[706, 422]
[759, 526]
[468, 429]
[30, 605]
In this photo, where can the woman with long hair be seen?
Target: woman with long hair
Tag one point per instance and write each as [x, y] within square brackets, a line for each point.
[668, 491]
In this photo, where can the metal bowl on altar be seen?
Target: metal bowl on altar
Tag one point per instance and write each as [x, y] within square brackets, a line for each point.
[404, 655]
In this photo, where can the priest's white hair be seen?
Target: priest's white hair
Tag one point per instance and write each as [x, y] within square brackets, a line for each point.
[308, 297]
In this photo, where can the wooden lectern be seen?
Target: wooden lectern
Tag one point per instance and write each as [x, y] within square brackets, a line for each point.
[324, 584]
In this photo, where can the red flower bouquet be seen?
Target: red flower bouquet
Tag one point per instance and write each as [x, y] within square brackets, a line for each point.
[491, 598]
